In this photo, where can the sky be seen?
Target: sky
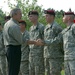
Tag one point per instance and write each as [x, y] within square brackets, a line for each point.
[55, 4]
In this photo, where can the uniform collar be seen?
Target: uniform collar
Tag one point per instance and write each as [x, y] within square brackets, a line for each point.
[69, 26]
[50, 25]
[36, 26]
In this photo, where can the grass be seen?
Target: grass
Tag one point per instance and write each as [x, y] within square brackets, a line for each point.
[62, 72]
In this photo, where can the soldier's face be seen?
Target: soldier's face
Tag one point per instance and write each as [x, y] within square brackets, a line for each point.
[49, 18]
[22, 27]
[33, 18]
[65, 19]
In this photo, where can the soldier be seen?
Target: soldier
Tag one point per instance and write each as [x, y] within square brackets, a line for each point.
[12, 40]
[24, 49]
[52, 53]
[2, 54]
[67, 36]
[69, 43]
[36, 61]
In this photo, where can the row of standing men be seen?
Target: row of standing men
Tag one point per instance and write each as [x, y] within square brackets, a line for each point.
[41, 47]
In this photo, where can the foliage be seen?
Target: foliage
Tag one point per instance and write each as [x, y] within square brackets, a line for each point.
[59, 18]
[28, 5]
[1, 17]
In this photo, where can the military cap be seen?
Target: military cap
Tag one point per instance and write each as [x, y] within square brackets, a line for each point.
[23, 22]
[68, 13]
[33, 13]
[7, 17]
[51, 12]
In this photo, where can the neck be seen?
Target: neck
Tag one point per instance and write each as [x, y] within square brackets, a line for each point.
[22, 30]
[35, 23]
[69, 23]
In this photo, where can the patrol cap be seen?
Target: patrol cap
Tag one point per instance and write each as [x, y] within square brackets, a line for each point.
[33, 13]
[23, 22]
[51, 12]
[68, 13]
[7, 17]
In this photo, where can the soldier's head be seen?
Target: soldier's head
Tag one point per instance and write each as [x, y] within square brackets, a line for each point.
[16, 14]
[33, 15]
[68, 17]
[50, 15]
[6, 18]
[22, 25]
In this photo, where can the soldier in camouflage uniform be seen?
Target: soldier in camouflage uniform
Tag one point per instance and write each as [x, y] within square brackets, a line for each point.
[24, 68]
[69, 43]
[2, 54]
[67, 36]
[36, 61]
[52, 53]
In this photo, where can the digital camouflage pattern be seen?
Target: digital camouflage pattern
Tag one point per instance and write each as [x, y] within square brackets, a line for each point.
[25, 54]
[2, 56]
[36, 60]
[52, 53]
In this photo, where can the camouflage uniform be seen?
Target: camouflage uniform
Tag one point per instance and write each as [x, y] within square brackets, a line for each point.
[67, 36]
[36, 61]
[2, 56]
[25, 54]
[69, 49]
[52, 53]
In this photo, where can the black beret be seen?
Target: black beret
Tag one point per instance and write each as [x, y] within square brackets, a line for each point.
[7, 17]
[33, 13]
[68, 13]
[51, 12]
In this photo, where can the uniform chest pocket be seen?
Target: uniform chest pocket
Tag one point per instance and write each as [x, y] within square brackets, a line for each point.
[50, 33]
[36, 34]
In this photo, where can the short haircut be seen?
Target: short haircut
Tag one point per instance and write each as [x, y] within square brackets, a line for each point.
[33, 13]
[23, 22]
[14, 11]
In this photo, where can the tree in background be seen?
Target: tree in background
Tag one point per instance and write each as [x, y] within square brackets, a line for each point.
[2, 17]
[28, 5]
[59, 18]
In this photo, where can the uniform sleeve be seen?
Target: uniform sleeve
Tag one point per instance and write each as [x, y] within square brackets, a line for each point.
[73, 30]
[0, 41]
[56, 40]
[42, 32]
[25, 38]
[57, 29]
[2, 47]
